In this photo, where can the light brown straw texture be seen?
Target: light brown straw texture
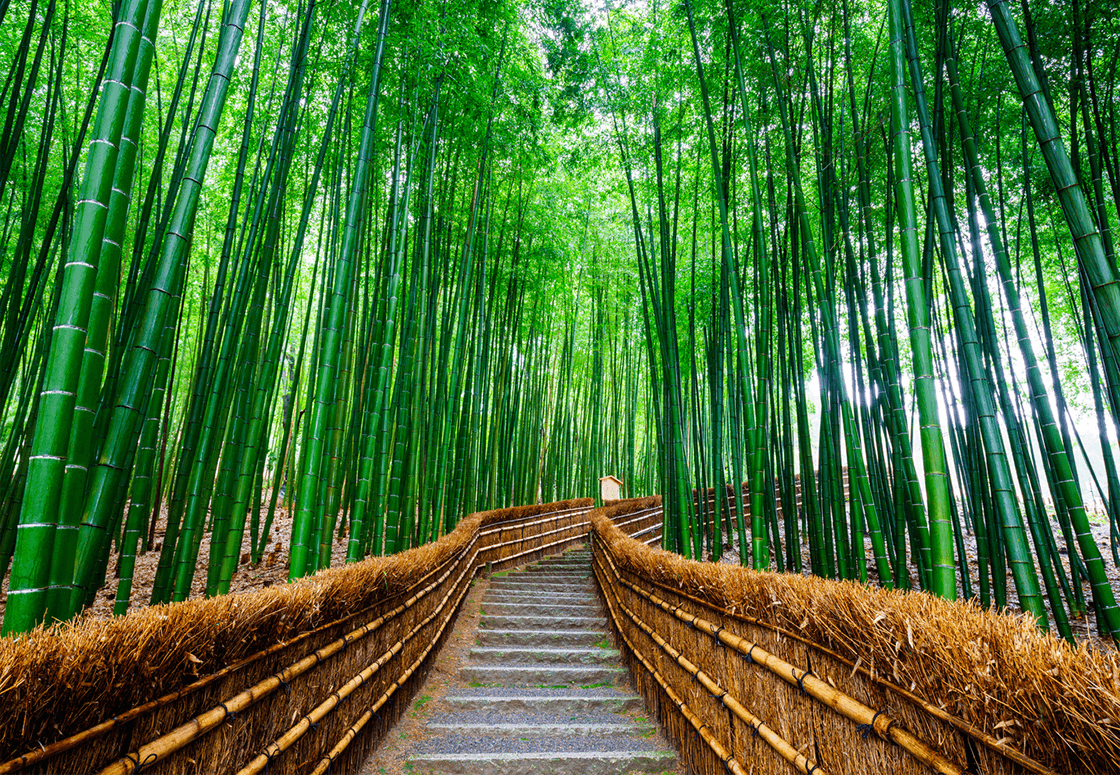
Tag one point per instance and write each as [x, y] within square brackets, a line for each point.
[152, 666]
[1031, 692]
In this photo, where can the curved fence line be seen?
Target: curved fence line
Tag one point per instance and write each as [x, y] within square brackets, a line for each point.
[312, 672]
[765, 668]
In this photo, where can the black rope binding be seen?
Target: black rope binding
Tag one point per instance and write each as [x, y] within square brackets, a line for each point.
[810, 768]
[715, 636]
[149, 759]
[750, 653]
[727, 766]
[287, 687]
[801, 681]
[230, 715]
[867, 729]
[268, 759]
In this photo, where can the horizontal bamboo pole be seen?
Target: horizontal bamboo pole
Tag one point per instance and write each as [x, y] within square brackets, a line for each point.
[538, 519]
[802, 763]
[351, 732]
[312, 718]
[511, 542]
[92, 733]
[649, 529]
[636, 516]
[977, 734]
[724, 755]
[885, 726]
[181, 736]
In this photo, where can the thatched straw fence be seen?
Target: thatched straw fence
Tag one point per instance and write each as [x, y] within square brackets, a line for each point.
[640, 518]
[776, 673]
[299, 678]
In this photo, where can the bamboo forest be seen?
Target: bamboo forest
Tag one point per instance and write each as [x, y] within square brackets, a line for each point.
[295, 283]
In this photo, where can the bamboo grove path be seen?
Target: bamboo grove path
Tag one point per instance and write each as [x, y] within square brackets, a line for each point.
[538, 688]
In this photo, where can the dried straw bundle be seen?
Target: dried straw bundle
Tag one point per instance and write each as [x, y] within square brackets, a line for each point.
[517, 536]
[515, 513]
[196, 686]
[57, 681]
[1028, 691]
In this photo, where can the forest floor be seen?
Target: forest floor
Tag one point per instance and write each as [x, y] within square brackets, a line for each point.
[272, 569]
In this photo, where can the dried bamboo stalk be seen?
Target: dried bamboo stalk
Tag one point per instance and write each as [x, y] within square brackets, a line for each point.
[352, 731]
[85, 736]
[313, 717]
[162, 746]
[979, 735]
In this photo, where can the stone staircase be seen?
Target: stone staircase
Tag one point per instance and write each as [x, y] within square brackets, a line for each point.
[542, 689]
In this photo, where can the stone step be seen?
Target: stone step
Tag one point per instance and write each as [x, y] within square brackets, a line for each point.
[556, 587]
[572, 565]
[551, 573]
[543, 691]
[530, 728]
[564, 562]
[538, 597]
[598, 623]
[547, 638]
[536, 655]
[537, 762]
[540, 609]
[541, 675]
[583, 562]
[568, 701]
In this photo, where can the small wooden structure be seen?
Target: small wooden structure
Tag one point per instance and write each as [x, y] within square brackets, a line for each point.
[610, 488]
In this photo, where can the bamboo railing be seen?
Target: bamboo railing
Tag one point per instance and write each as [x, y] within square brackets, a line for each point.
[348, 649]
[752, 692]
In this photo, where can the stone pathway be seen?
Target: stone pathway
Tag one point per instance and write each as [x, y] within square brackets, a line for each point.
[540, 689]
